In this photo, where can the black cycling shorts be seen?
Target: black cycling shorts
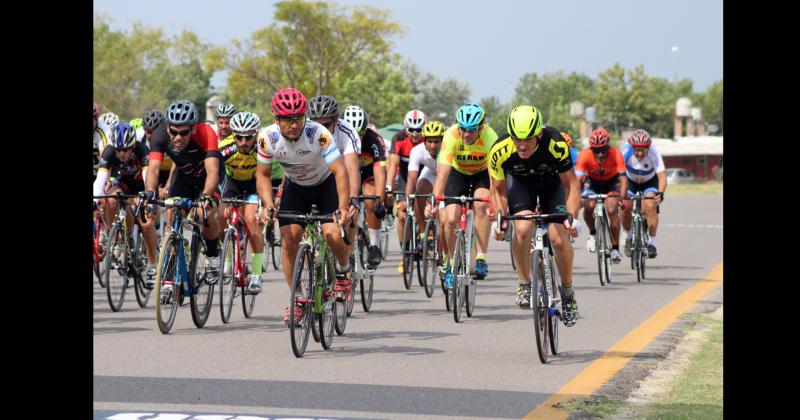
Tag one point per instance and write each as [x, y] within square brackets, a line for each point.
[522, 196]
[458, 184]
[648, 186]
[232, 188]
[601, 187]
[298, 199]
[129, 187]
[189, 187]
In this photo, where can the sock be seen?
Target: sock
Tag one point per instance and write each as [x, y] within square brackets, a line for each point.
[342, 269]
[630, 235]
[652, 241]
[374, 236]
[480, 256]
[592, 231]
[567, 291]
[258, 263]
[211, 247]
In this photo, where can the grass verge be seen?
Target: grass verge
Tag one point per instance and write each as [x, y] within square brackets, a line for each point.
[710, 187]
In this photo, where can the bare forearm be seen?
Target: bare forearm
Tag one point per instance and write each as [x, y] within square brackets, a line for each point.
[353, 173]
[380, 181]
[151, 183]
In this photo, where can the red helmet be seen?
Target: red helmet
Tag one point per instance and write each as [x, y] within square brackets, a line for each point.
[95, 110]
[289, 101]
[639, 138]
[598, 138]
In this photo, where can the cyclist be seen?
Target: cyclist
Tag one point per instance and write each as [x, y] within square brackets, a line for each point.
[224, 114]
[129, 159]
[194, 152]
[238, 153]
[422, 171]
[101, 132]
[604, 168]
[537, 159]
[155, 130]
[373, 177]
[462, 162]
[110, 119]
[315, 174]
[399, 153]
[644, 168]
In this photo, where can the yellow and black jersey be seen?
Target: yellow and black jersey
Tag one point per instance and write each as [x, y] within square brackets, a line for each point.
[549, 159]
[238, 165]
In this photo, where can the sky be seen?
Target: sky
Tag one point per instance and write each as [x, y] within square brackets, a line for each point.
[490, 44]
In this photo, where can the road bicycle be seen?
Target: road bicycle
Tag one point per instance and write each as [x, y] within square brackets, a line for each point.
[313, 279]
[272, 239]
[602, 226]
[461, 289]
[124, 259]
[639, 236]
[431, 252]
[363, 276]
[99, 231]
[185, 278]
[411, 257]
[235, 263]
[545, 287]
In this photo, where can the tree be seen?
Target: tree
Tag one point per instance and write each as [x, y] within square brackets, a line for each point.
[146, 69]
[711, 102]
[496, 113]
[312, 46]
[382, 92]
[552, 93]
[433, 96]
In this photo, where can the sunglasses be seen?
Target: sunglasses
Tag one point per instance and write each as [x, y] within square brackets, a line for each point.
[292, 120]
[176, 133]
[469, 130]
[244, 137]
[600, 151]
[414, 130]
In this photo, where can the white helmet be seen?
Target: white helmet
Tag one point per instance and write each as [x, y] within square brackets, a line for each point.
[414, 119]
[226, 110]
[111, 119]
[244, 121]
[356, 116]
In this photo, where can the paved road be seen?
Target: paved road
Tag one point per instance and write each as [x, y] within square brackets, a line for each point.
[406, 358]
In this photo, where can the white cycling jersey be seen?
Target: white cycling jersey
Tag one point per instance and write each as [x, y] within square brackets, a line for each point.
[304, 161]
[641, 171]
[102, 136]
[420, 156]
[346, 138]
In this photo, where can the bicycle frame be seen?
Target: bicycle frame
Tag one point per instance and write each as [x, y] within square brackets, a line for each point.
[242, 235]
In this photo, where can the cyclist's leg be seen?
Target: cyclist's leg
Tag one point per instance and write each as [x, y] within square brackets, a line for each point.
[292, 200]
[482, 221]
[588, 207]
[400, 203]
[424, 186]
[612, 206]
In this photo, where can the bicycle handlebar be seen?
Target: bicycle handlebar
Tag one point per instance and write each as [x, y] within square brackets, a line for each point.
[117, 196]
[462, 198]
[539, 218]
[182, 203]
[322, 218]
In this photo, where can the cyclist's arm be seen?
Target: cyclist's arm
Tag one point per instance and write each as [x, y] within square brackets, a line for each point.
[442, 172]
[499, 195]
[623, 185]
[353, 173]
[662, 181]
[169, 178]
[212, 174]
[342, 188]
[572, 191]
[100, 182]
[151, 180]
[264, 183]
[391, 168]
[411, 182]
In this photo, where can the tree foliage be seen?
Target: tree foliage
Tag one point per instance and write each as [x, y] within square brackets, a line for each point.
[551, 93]
[433, 96]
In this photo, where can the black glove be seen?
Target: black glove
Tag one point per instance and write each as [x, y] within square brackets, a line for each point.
[660, 194]
[380, 210]
[147, 195]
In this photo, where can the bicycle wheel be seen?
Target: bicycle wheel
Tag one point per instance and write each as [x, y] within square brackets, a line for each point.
[340, 308]
[276, 246]
[539, 304]
[366, 283]
[511, 244]
[227, 281]
[248, 299]
[607, 246]
[202, 291]
[470, 284]
[600, 249]
[429, 266]
[166, 271]
[116, 267]
[459, 272]
[327, 318]
[384, 242]
[408, 252]
[645, 238]
[552, 318]
[300, 296]
[100, 250]
[140, 256]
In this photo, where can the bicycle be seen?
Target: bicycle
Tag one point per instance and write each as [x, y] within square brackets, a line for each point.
[361, 272]
[124, 259]
[313, 293]
[603, 237]
[639, 236]
[186, 279]
[272, 240]
[431, 253]
[386, 227]
[463, 267]
[409, 243]
[235, 263]
[545, 281]
[98, 246]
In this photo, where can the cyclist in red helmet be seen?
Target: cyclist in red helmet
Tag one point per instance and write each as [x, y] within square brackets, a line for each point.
[314, 173]
[604, 168]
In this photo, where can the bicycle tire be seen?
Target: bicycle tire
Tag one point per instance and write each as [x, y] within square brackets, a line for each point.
[116, 277]
[99, 267]
[227, 283]
[539, 308]
[202, 293]
[384, 243]
[166, 269]
[298, 331]
[429, 266]
[248, 299]
[140, 290]
[459, 269]
[607, 245]
[366, 283]
[408, 252]
[327, 318]
[553, 320]
[599, 248]
[276, 247]
[340, 308]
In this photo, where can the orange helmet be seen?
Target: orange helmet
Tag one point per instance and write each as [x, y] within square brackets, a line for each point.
[567, 138]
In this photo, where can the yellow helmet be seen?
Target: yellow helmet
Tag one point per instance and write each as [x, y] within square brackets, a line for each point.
[433, 129]
[524, 121]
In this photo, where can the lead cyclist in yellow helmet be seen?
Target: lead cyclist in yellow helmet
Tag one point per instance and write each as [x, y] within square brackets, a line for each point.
[422, 171]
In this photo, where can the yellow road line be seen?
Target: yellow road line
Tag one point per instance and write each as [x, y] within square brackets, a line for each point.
[603, 369]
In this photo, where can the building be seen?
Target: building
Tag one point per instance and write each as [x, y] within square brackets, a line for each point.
[700, 155]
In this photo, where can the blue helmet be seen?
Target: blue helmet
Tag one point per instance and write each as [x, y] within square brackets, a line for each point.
[470, 116]
[123, 136]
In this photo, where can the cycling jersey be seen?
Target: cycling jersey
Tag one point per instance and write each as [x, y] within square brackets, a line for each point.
[612, 167]
[101, 138]
[372, 150]
[549, 158]
[421, 157]
[401, 146]
[304, 161]
[189, 161]
[160, 131]
[468, 159]
[346, 138]
[641, 171]
[238, 166]
[130, 173]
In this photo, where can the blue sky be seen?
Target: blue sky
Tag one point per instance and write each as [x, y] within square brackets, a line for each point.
[489, 45]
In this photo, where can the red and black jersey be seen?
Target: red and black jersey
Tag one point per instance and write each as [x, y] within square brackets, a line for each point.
[190, 160]
[401, 146]
[373, 149]
[130, 171]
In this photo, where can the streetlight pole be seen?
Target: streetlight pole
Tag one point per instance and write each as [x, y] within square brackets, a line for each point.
[675, 63]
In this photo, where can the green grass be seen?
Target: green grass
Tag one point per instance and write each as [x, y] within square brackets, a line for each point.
[696, 392]
[709, 187]
[596, 405]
